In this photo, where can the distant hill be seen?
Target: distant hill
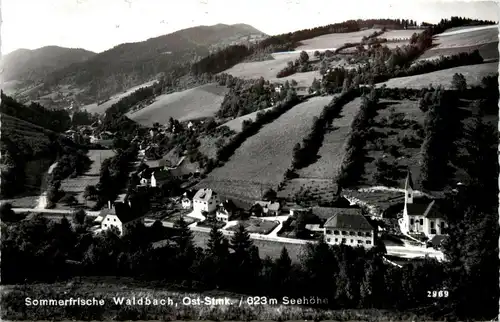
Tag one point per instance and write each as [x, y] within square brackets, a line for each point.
[33, 65]
[130, 64]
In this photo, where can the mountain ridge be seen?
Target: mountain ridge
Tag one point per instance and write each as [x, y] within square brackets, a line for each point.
[129, 64]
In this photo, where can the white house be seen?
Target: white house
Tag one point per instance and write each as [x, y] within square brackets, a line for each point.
[122, 221]
[225, 211]
[348, 226]
[186, 200]
[205, 200]
[186, 203]
[421, 215]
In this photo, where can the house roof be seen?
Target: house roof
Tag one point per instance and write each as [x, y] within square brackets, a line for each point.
[348, 221]
[161, 175]
[326, 213]
[228, 206]
[155, 163]
[107, 211]
[424, 208]
[273, 206]
[204, 194]
[125, 215]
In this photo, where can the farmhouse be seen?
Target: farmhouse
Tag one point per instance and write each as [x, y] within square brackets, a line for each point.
[265, 208]
[225, 211]
[205, 200]
[121, 220]
[421, 215]
[350, 227]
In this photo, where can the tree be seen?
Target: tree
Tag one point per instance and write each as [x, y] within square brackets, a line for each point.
[245, 258]
[316, 54]
[6, 212]
[304, 57]
[323, 67]
[184, 236]
[459, 82]
[269, 195]
[294, 82]
[79, 217]
[316, 85]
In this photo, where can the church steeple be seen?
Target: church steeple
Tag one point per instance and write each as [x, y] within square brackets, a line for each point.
[408, 188]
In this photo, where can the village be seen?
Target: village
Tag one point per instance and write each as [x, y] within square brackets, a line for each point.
[416, 226]
[410, 229]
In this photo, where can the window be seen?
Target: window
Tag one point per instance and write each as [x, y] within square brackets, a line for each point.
[336, 239]
[114, 219]
[352, 241]
[344, 232]
[409, 195]
[328, 231]
[352, 233]
[421, 221]
[432, 225]
[433, 231]
[328, 239]
[107, 219]
[360, 241]
[368, 242]
[105, 225]
[343, 240]
[368, 234]
[336, 232]
[360, 233]
[412, 221]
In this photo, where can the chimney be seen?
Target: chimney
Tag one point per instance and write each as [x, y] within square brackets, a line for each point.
[109, 204]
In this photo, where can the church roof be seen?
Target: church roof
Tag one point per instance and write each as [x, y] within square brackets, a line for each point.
[427, 209]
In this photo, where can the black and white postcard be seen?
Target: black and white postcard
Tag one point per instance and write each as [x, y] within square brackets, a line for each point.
[238, 160]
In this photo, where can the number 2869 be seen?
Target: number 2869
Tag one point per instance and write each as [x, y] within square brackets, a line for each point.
[438, 294]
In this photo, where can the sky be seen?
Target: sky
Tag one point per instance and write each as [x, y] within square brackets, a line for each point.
[98, 25]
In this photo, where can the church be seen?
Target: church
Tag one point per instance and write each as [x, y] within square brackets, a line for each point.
[421, 215]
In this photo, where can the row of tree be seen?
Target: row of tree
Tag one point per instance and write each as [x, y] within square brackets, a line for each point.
[353, 164]
[442, 125]
[247, 96]
[114, 175]
[306, 153]
[301, 65]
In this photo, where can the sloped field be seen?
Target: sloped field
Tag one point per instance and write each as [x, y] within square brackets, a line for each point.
[262, 159]
[452, 42]
[472, 73]
[319, 176]
[267, 68]
[237, 123]
[100, 109]
[400, 34]
[198, 102]
[334, 40]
